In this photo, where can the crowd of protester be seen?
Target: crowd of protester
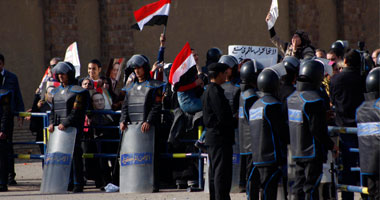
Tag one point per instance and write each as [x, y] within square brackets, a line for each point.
[342, 92]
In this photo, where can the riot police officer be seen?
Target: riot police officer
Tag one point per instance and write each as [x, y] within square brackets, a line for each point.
[5, 117]
[269, 133]
[142, 103]
[248, 75]
[308, 130]
[69, 106]
[368, 119]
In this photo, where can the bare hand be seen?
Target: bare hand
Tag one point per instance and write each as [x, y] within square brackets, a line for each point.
[28, 117]
[162, 40]
[122, 126]
[40, 103]
[3, 136]
[145, 127]
[199, 82]
[269, 16]
[61, 127]
[51, 128]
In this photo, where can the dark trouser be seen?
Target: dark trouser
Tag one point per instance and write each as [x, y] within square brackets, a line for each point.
[308, 176]
[253, 190]
[76, 176]
[11, 160]
[3, 162]
[373, 187]
[220, 172]
[348, 160]
[267, 178]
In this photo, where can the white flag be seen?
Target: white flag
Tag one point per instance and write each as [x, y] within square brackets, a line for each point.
[72, 56]
[274, 14]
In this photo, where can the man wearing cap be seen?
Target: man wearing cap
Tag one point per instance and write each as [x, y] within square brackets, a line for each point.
[217, 118]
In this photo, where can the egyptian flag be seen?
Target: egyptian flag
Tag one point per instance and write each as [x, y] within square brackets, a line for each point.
[182, 63]
[152, 14]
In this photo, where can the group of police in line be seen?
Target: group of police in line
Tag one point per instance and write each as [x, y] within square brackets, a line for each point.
[268, 116]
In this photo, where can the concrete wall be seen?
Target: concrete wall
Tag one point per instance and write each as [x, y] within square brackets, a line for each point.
[33, 31]
[22, 42]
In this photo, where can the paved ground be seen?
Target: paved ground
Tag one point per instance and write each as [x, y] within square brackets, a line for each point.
[29, 180]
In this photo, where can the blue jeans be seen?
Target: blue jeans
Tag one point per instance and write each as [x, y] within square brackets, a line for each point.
[189, 102]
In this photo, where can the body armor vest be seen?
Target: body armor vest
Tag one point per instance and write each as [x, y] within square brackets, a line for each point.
[138, 94]
[302, 142]
[247, 99]
[265, 144]
[368, 119]
[64, 98]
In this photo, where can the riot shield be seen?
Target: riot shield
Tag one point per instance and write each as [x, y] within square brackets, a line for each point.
[136, 160]
[58, 158]
[236, 164]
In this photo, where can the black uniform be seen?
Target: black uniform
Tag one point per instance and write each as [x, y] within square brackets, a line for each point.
[368, 119]
[5, 117]
[69, 109]
[142, 103]
[217, 117]
[308, 138]
[269, 134]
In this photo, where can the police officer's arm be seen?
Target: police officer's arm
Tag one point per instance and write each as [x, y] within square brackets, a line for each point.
[6, 115]
[79, 109]
[155, 105]
[318, 123]
[124, 118]
[51, 117]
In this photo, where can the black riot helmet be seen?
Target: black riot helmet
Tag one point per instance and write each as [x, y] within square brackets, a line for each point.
[231, 61]
[338, 48]
[292, 65]
[268, 81]
[373, 80]
[64, 68]
[249, 71]
[213, 55]
[311, 71]
[139, 60]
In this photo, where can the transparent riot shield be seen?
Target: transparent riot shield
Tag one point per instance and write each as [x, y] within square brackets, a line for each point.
[58, 158]
[136, 160]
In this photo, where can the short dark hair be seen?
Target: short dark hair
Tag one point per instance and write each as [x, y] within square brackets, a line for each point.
[2, 58]
[95, 61]
[213, 74]
[353, 58]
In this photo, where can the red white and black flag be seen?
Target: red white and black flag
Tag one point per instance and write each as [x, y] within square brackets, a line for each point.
[182, 63]
[152, 14]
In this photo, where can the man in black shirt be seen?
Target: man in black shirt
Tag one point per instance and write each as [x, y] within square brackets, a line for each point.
[217, 117]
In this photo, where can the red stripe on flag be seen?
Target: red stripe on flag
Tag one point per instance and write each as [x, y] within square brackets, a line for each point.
[181, 57]
[149, 9]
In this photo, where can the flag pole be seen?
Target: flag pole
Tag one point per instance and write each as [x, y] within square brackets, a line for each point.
[164, 31]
